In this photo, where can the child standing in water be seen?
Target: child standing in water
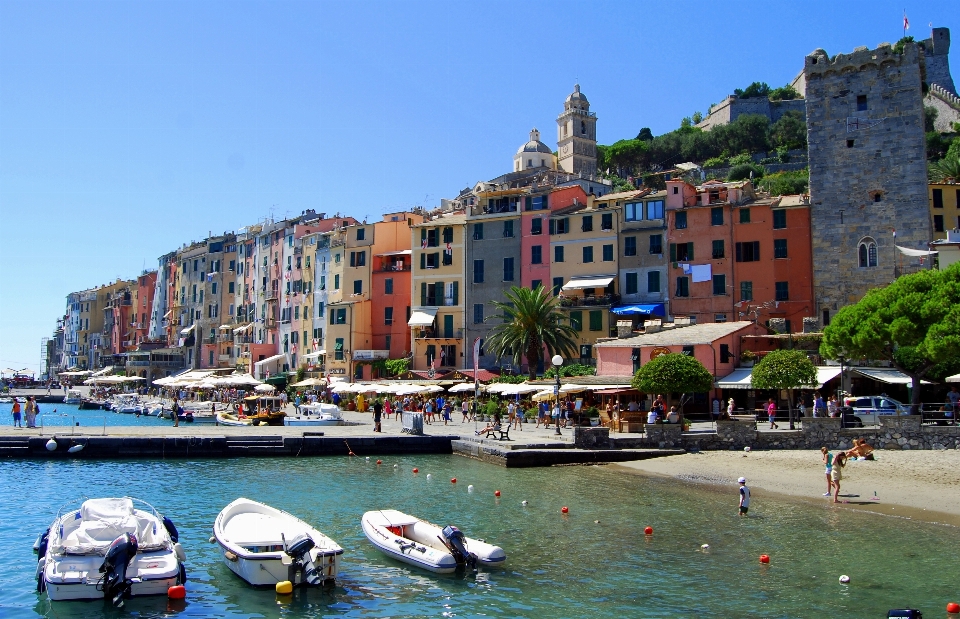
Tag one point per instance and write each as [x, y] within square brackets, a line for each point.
[744, 496]
[827, 458]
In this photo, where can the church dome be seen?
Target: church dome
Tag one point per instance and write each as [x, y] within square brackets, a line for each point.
[576, 95]
[534, 145]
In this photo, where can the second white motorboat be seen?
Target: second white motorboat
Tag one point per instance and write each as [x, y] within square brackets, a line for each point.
[264, 545]
[316, 414]
[418, 542]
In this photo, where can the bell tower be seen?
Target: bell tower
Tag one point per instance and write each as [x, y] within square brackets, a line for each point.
[577, 136]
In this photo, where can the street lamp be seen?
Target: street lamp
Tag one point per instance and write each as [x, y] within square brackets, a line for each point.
[557, 363]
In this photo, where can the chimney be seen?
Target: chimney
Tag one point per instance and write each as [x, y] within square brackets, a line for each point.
[652, 326]
[624, 328]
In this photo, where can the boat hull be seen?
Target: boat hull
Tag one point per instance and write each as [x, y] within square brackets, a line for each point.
[250, 536]
[77, 577]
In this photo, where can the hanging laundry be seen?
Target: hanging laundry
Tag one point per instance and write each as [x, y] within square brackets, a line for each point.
[701, 273]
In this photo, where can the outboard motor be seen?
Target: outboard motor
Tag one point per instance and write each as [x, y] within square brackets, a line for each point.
[41, 547]
[453, 538]
[116, 585]
[299, 549]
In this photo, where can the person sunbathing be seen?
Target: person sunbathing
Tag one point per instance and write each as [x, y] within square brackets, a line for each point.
[493, 426]
[861, 450]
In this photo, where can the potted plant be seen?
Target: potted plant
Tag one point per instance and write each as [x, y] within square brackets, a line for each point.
[685, 423]
[747, 358]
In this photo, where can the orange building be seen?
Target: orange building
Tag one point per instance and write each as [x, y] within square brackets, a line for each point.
[739, 255]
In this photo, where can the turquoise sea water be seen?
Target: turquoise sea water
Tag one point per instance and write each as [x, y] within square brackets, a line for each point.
[57, 415]
[557, 566]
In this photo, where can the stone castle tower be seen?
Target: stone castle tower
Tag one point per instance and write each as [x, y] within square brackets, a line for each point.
[577, 136]
[868, 175]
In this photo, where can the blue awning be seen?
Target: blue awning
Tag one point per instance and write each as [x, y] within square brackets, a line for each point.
[655, 309]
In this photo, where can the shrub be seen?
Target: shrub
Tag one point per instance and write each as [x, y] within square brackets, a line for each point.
[491, 408]
[715, 162]
[742, 172]
[786, 183]
[741, 159]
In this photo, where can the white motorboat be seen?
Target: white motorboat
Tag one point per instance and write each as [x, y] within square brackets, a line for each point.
[127, 404]
[73, 396]
[229, 419]
[316, 414]
[264, 546]
[418, 542]
[109, 549]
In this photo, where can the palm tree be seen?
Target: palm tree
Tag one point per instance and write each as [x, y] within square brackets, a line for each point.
[946, 170]
[532, 322]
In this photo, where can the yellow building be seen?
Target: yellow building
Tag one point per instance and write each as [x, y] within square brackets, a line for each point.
[584, 270]
[437, 314]
[944, 208]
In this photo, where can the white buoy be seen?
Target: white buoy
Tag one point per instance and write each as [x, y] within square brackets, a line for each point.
[368, 457]
[470, 488]
[75, 449]
[524, 503]
[844, 579]
[704, 547]
[747, 449]
[51, 445]
[429, 476]
[396, 466]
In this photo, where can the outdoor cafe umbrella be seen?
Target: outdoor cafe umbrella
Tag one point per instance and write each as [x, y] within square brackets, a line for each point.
[264, 388]
[309, 382]
[465, 387]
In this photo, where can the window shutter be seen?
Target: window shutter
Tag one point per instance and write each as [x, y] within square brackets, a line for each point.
[527, 203]
[673, 251]
[756, 250]
[438, 294]
[423, 294]
[690, 252]
[423, 260]
[353, 258]
[423, 235]
[545, 204]
[456, 293]
[739, 252]
[553, 227]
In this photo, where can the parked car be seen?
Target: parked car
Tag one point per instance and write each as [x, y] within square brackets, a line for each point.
[867, 408]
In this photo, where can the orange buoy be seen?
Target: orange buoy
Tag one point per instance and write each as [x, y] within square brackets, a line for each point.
[648, 531]
[416, 470]
[953, 608]
[453, 481]
[177, 592]
[496, 493]
[379, 461]
[764, 558]
[564, 510]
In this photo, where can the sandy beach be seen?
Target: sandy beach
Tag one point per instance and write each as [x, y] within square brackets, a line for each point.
[924, 485]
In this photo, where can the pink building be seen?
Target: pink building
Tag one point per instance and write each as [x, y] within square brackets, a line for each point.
[534, 233]
[715, 345]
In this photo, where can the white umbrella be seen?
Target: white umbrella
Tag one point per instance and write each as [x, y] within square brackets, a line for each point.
[206, 384]
[572, 388]
[953, 379]
[265, 388]
[309, 382]
[343, 388]
[543, 396]
[430, 389]
[465, 387]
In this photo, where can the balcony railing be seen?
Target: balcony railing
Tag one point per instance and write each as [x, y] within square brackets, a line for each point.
[394, 267]
[440, 334]
[590, 301]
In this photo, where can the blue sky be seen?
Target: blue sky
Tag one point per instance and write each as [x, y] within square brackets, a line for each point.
[130, 128]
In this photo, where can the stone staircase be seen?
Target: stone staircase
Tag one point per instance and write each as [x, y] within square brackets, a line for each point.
[14, 447]
[256, 446]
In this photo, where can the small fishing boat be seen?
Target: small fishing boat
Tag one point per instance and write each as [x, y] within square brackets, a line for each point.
[229, 419]
[74, 396]
[264, 546]
[426, 545]
[109, 549]
[317, 414]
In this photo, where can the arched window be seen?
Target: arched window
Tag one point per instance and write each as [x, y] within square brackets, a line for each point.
[583, 127]
[867, 253]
